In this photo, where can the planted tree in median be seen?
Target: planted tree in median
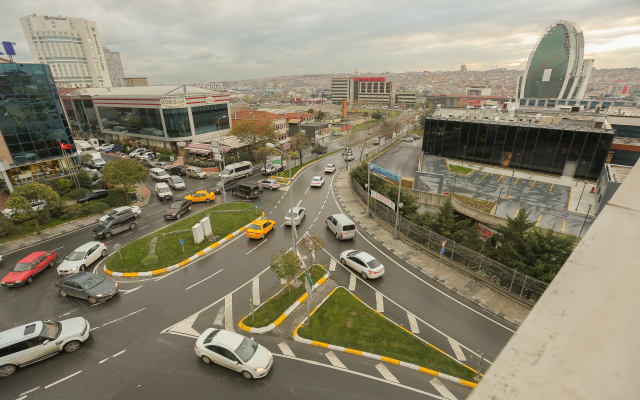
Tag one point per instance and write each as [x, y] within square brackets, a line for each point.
[312, 244]
[125, 172]
[285, 265]
[301, 143]
[25, 197]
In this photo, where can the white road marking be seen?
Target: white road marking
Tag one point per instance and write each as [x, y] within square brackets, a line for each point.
[117, 354]
[298, 205]
[379, 302]
[127, 234]
[29, 391]
[228, 313]
[130, 290]
[121, 318]
[210, 276]
[332, 265]
[21, 398]
[304, 265]
[413, 323]
[386, 373]
[55, 250]
[352, 282]
[310, 227]
[220, 317]
[157, 222]
[315, 219]
[256, 291]
[285, 349]
[257, 246]
[306, 191]
[66, 313]
[333, 359]
[100, 362]
[185, 327]
[457, 350]
[270, 212]
[63, 379]
[142, 227]
[442, 389]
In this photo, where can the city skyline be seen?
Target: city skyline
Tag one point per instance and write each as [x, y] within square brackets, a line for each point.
[203, 43]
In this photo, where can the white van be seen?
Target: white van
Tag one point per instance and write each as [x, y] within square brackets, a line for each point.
[82, 147]
[163, 191]
[237, 170]
[159, 174]
[341, 226]
[97, 160]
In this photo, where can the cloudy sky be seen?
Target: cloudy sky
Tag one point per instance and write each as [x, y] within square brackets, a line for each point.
[219, 40]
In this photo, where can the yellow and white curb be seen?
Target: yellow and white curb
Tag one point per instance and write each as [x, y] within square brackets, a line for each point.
[414, 367]
[288, 312]
[181, 264]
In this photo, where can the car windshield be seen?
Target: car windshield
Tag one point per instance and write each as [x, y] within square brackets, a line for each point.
[112, 212]
[21, 267]
[198, 170]
[76, 255]
[177, 180]
[316, 179]
[226, 172]
[163, 189]
[162, 173]
[247, 349]
[219, 184]
[255, 227]
[92, 282]
[373, 264]
[106, 222]
[175, 206]
[209, 338]
[50, 329]
[288, 214]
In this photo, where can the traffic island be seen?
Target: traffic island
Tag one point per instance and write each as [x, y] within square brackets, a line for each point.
[272, 312]
[226, 220]
[342, 322]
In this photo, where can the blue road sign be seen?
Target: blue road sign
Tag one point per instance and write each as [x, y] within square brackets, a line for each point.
[181, 242]
[384, 172]
[442, 250]
[255, 207]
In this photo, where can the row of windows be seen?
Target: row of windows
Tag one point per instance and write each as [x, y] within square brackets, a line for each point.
[625, 157]
[141, 121]
[210, 118]
[626, 130]
[552, 103]
[177, 122]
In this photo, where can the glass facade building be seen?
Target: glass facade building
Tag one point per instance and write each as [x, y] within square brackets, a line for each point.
[579, 153]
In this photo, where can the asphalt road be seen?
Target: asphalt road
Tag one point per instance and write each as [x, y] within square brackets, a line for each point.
[141, 343]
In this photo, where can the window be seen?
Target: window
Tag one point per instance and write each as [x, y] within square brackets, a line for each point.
[141, 121]
[210, 118]
[177, 122]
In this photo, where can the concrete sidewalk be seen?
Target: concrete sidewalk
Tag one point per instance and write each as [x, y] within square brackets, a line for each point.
[461, 283]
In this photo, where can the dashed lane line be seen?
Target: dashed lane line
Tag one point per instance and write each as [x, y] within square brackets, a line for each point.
[61, 380]
[113, 356]
[298, 205]
[260, 244]
[29, 391]
[334, 360]
[442, 389]
[306, 191]
[142, 227]
[384, 371]
[285, 349]
[228, 313]
[119, 319]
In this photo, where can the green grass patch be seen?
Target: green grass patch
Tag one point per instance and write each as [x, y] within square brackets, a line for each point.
[344, 321]
[28, 227]
[366, 125]
[169, 250]
[459, 169]
[276, 306]
[478, 204]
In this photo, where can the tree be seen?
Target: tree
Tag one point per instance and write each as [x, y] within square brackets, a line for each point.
[263, 153]
[360, 144]
[376, 115]
[318, 149]
[125, 172]
[310, 111]
[85, 158]
[444, 223]
[320, 116]
[365, 115]
[26, 196]
[84, 179]
[301, 143]
[312, 244]
[284, 265]
[254, 132]
[510, 240]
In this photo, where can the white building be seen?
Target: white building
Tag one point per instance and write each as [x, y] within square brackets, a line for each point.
[369, 90]
[114, 66]
[70, 46]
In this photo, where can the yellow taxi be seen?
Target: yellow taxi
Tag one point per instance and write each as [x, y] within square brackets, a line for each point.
[260, 227]
[201, 195]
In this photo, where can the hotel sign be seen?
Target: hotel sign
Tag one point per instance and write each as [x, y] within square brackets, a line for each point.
[171, 103]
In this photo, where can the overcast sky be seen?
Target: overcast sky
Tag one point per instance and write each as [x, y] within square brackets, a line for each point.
[219, 40]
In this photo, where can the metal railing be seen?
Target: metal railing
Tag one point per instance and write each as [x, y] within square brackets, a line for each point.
[515, 282]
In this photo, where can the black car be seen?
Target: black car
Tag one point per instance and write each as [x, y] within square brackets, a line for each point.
[93, 195]
[229, 183]
[247, 190]
[180, 170]
[177, 209]
[86, 285]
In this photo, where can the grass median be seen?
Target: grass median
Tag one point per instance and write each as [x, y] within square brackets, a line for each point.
[277, 305]
[343, 320]
[168, 248]
[459, 169]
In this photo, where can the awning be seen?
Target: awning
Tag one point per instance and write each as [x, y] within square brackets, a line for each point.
[232, 142]
[199, 151]
[201, 146]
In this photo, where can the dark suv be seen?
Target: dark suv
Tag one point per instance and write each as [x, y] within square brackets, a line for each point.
[114, 225]
[229, 183]
[246, 190]
[180, 170]
[93, 195]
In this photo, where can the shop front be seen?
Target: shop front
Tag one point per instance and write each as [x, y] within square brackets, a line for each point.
[42, 170]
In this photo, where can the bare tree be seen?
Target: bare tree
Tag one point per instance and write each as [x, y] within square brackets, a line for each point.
[312, 244]
[361, 144]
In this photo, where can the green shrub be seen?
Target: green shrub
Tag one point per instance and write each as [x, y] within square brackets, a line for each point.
[84, 178]
[45, 217]
[74, 194]
[149, 260]
[116, 198]
[58, 210]
[63, 184]
[7, 227]
[100, 185]
[73, 212]
[165, 158]
[95, 207]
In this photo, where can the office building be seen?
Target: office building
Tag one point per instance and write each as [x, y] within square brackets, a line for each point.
[405, 99]
[70, 46]
[136, 82]
[556, 68]
[149, 116]
[114, 66]
[369, 90]
[32, 126]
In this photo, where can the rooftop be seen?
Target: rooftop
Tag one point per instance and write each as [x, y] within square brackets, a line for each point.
[246, 114]
[140, 91]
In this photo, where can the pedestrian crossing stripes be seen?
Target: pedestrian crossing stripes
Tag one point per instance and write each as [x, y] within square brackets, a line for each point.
[379, 302]
[386, 374]
[444, 392]
[457, 350]
[333, 359]
[256, 291]
[413, 322]
[285, 349]
[228, 313]
[352, 282]
[332, 265]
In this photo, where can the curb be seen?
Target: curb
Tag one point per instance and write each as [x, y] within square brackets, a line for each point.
[181, 264]
[414, 367]
[287, 312]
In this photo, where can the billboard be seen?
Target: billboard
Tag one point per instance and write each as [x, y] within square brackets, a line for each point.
[470, 102]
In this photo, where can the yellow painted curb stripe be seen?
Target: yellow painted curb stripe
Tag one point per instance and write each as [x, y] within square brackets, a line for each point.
[500, 178]
[321, 280]
[428, 371]
[405, 329]
[303, 297]
[539, 219]
[320, 344]
[390, 360]
[514, 183]
[516, 214]
[534, 182]
[216, 244]
[436, 348]
[351, 351]
[551, 187]
[563, 224]
[201, 253]
[130, 274]
[468, 384]
[242, 229]
[159, 271]
[106, 271]
[183, 263]
[485, 175]
[229, 236]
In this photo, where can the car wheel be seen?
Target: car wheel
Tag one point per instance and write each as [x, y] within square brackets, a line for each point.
[71, 346]
[81, 268]
[343, 261]
[208, 200]
[63, 293]
[30, 279]
[189, 208]
[178, 216]
[50, 264]
[7, 370]
[247, 374]
[92, 300]
[364, 275]
[206, 360]
[104, 252]
[107, 235]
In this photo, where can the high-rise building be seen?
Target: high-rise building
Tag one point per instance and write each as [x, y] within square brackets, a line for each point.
[114, 66]
[369, 90]
[556, 67]
[70, 46]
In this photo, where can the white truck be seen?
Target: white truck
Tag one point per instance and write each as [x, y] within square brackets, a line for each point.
[97, 161]
[273, 165]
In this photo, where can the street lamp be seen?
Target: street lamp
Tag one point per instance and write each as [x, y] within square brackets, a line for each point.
[293, 226]
[512, 174]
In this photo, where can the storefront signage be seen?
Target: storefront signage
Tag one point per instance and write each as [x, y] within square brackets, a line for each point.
[181, 144]
[209, 100]
[383, 200]
[173, 102]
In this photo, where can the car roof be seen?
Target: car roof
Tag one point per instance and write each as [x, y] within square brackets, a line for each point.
[366, 257]
[32, 256]
[161, 184]
[17, 333]
[79, 276]
[157, 169]
[316, 177]
[296, 209]
[343, 219]
[227, 338]
[86, 246]
[175, 176]
[123, 208]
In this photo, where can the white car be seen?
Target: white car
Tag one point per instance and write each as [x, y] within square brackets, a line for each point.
[146, 155]
[234, 351]
[330, 168]
[105, 147]
[136, 152]
[82, 257]
[37, 206]
[121, 210]
[349, 157]
[269, 184]
[298, 215]
[408, 139]
[363, 263]
[317, 181]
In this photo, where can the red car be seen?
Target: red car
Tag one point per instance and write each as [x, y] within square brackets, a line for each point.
[28, 267]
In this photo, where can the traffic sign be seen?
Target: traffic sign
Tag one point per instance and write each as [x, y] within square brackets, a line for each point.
[384, 172]
[442, 250]
[181, 242]
[444, 243]
[255, 207]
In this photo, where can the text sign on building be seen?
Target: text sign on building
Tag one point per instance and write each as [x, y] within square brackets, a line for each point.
[173, 102]
[384, 172]
[546, 75]
[383, 199]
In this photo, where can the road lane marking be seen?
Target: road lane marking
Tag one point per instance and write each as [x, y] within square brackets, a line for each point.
[386, 373]
[55, 250]
[228, 313]
[352, 282]
[514, 183]
[256, 291]
[220, 317]
[379, 302]
[332, 265]
[551, 187]
[127, 234]
[65, 314]
[113, 356]
[306, 191]
[413, 322]
[121, 318]
[539, 220]
[29, 391]
[485, 175]
[563, 224]
[334, 360]
[210, 276]
[285, 349]
[304, 265]
[298, 205]
[142, 227]
[270, 212]
[457, 350]
[260, 244]
[61, 380]
[315, 219]
[442, 389]
[500, 178]
[534, 182]
[516, 214]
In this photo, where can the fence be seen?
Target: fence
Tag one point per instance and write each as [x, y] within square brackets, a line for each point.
[517, 283]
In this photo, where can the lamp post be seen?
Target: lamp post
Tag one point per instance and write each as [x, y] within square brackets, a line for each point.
[293, 226]
[224, 192]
